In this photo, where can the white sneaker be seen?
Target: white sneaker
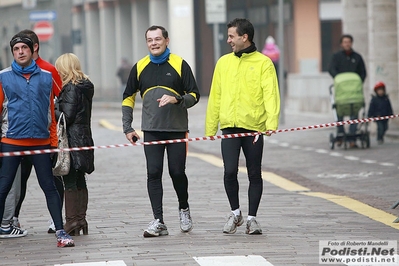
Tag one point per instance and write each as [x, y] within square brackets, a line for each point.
[186, 224]
[51, 227]
[12, 232]
[253, 227]
[156, 228]
[232, 223]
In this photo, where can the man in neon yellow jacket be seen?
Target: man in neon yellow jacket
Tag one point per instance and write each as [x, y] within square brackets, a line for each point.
[244, 97]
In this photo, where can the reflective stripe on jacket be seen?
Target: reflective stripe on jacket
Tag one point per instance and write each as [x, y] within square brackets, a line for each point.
[174, 78]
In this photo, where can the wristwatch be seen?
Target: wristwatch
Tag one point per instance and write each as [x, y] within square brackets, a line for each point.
[179, 99]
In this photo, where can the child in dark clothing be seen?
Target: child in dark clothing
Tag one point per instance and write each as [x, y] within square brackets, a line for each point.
[380, 106]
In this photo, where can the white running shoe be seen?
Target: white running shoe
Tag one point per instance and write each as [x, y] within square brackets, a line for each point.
[253, 227]
[186, 223]
[156, 228]
[232, 223]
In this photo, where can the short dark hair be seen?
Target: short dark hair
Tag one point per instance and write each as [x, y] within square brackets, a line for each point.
[244, 26]
[33, 36]
[346, 36]
[155, 27]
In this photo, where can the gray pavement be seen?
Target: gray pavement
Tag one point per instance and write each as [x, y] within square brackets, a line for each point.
[119, 210]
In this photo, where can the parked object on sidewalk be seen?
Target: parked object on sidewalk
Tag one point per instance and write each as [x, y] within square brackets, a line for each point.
[347, 100]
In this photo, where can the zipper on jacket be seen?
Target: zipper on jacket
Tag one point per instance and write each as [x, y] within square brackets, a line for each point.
[30, 106]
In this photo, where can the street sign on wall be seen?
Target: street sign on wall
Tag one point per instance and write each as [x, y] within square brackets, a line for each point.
[42, 15]
[44, 30]
[215, 11]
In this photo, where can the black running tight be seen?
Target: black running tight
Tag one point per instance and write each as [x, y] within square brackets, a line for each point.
[253, 156]
[154, 154]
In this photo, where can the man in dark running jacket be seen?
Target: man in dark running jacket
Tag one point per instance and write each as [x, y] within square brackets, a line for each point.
[168, 88]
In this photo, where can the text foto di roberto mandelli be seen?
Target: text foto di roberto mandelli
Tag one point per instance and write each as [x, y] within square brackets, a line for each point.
[355, 251]
[359, 243]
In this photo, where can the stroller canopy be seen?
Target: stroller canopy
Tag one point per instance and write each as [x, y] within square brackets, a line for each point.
[348, 89]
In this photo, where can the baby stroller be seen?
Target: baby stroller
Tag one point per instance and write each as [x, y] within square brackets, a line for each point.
[347, 99]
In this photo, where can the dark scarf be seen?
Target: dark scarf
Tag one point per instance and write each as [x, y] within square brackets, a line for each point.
[348, 53]
[160, 59]
[249, 49]
[24, 70]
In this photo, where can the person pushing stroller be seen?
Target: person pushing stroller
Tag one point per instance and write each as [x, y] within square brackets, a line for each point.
[344, 61]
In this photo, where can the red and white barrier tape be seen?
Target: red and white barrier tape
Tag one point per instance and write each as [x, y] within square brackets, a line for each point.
[227, 136]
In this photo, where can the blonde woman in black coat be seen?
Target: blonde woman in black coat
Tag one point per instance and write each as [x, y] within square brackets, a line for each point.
[75, 101]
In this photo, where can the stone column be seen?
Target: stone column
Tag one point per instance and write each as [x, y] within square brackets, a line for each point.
[383, 45]
[140, 23]
[107, 45]
[181, 32]
[78, 48]
[354, 22]
[93, 44]
[123, 33]
[158, 13]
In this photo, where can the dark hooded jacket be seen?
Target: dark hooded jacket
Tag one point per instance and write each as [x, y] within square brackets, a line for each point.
[380, 106]
[347, 62]
[75, 101]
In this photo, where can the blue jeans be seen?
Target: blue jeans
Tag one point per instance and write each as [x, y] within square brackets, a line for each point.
[382, 126]
[43, 168]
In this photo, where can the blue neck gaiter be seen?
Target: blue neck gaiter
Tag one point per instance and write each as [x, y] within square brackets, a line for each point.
[160, 59]
[24, 70]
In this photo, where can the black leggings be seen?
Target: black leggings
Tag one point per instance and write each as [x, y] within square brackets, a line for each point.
[253, 157]
[154, 154]
[26, 168]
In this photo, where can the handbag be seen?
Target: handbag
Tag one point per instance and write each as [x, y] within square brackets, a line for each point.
[63, 162]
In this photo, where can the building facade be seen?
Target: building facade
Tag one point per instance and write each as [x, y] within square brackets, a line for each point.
[16, 15]
[102, 32]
